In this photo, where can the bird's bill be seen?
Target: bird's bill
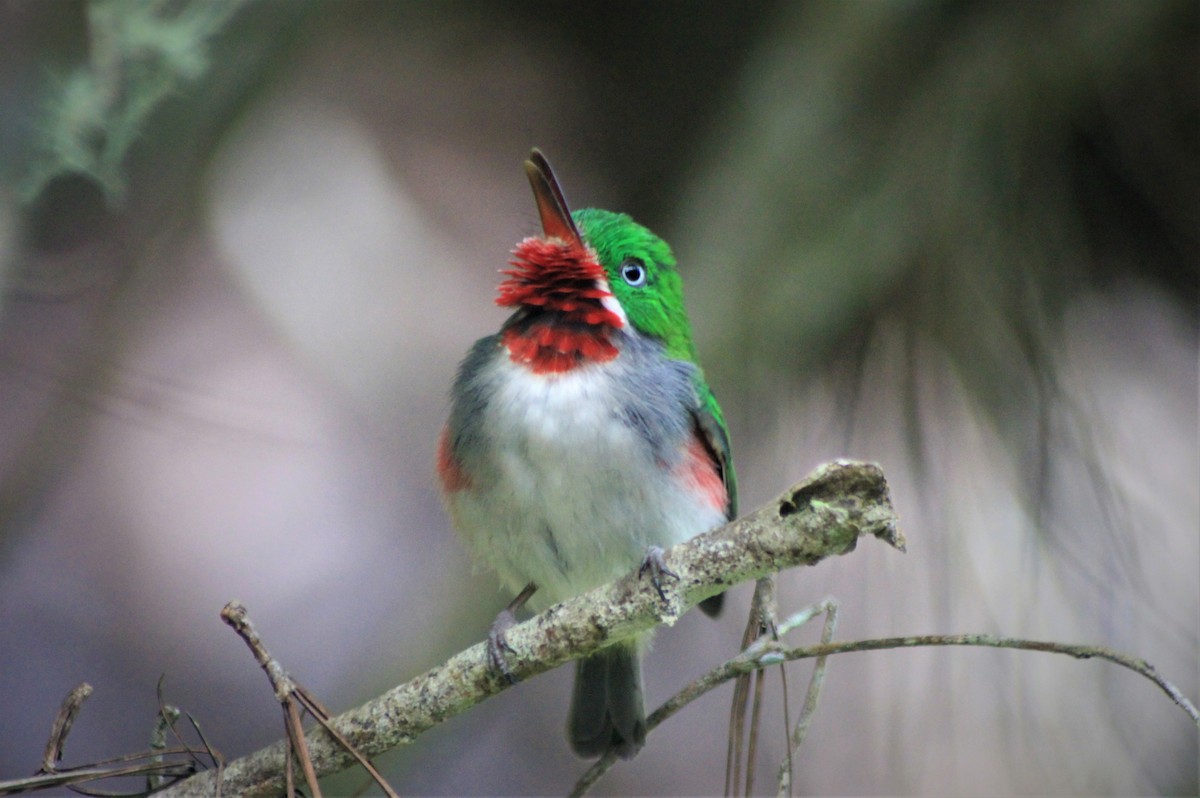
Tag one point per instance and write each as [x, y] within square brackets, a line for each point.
[552, 206]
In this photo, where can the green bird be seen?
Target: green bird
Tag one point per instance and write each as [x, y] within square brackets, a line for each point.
[583, 438]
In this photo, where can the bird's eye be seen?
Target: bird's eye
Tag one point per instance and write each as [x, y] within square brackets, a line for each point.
[633, 271]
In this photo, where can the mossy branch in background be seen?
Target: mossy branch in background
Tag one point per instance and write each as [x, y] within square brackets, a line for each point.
[140, 53]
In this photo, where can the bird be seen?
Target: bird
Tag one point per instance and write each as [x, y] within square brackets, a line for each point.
[583, 439]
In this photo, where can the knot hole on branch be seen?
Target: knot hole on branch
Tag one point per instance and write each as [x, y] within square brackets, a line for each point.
[799, 500]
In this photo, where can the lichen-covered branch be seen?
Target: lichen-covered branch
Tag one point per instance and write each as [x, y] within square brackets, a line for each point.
[823, 515]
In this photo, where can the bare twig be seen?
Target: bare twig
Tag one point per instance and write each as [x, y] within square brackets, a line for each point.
[293, 697]
[758, 648]
[72, 777]
[783, 784]
[159, 763]
[167, 715]
[170, 714]
[755, 723]
[762, 618]
[766, 652]
[322, 715]
[62, 726]
[787, 722]
[741, 693]
[295, 732]
[235, 615]
[1135, 664]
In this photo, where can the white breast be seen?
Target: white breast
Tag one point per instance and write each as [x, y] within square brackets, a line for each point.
[567, 494]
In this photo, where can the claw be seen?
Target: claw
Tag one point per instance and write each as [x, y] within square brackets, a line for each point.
[497, 644]
[656, 566]
[498, 647]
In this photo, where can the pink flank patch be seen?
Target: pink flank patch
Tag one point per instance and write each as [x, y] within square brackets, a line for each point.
[702, 475]
[449, 472]
[563, 281]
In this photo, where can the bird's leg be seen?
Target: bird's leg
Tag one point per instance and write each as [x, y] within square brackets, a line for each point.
[505, 619]
[656, 566]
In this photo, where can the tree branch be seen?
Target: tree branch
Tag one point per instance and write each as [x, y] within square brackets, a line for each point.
[822, 516]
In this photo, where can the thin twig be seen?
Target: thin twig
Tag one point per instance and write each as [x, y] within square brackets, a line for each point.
[167, 715]
[741, 694]
[1078, 651]
[235, 615]
[62, 725]
[755, 721]
[213, 754]
[766, 604]
[760, 620]
[786, 775]
[318, 711]
[71, 777]
[787, 723]
[152, 763]
[293, 697]
[767, 652]
[768, 655]
[295, 730]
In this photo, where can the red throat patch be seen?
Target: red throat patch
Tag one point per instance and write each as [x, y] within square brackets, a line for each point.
[560, 283]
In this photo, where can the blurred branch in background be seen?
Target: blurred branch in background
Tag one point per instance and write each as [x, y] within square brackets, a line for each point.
[956, 174]
[93, 130]
[139, 54]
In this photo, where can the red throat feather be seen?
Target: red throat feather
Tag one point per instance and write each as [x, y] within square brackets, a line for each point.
[560, 283]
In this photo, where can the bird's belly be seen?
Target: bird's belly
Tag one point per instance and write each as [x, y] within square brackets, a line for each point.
[571, 495]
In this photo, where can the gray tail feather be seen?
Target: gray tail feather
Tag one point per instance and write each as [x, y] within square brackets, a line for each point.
[606, 706]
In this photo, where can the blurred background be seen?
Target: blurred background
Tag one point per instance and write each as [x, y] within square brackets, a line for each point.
[243, 246]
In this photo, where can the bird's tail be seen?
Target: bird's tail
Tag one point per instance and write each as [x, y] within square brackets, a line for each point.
[607, 710]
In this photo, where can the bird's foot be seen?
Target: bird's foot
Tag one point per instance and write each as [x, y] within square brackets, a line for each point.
[656, 566]
[498, 647]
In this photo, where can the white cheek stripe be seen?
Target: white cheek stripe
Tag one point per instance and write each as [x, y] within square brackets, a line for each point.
[610, 303]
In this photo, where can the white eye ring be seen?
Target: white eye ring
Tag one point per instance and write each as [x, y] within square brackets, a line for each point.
[633, 272]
